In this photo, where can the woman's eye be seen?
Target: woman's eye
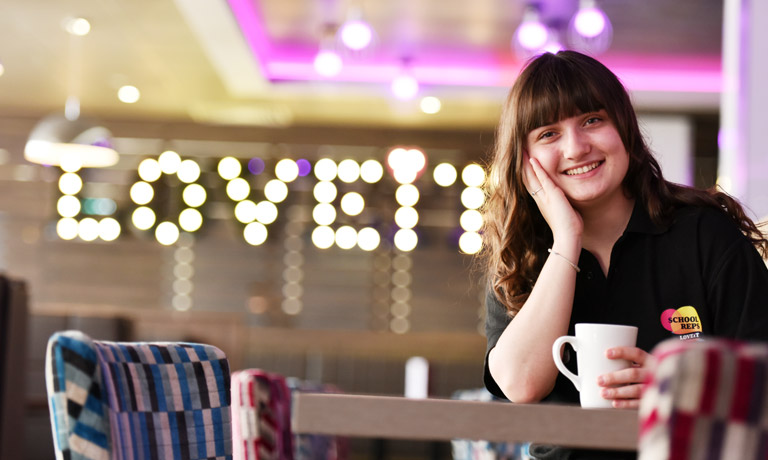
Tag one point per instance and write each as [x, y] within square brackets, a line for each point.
[546, 135]
[591, 120]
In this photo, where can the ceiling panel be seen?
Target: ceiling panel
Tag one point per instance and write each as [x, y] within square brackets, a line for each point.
[216, 77]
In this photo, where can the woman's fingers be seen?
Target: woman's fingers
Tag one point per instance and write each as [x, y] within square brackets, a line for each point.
[633, 391]
[529, 176]
[541, 175]
[632, 354]
[630, 375]
[625, 386]
[626, 403]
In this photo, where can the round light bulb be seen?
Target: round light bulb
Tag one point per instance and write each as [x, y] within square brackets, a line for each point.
[349, 171]
[472, 197]
[143, 218]
[276, 191]
[368, 239]
[266, 212]
[167, 233]
[238, 189]
[407, 195]
[323, 237]
[109, 229]
[328, 63]
[189, 171]
[169, 162]
[356, 35]
[352, 203]
[326, 169]
[589, 22]
[70, 183]
[406, 239]
[371, 171]
[473, 175]
[287, 170]
[255, 233]
[405, 87]
[149, 170]
[190, 220]
[430, 105]
[470, 243]
[229, 168]
[141, 193]
[245, 211]
[346, 237]
[324, 192]
[194, 195]
[445, 174]
[128, 94]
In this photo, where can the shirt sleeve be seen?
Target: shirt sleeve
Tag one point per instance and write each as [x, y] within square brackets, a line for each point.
[738, 287]
[496, 320]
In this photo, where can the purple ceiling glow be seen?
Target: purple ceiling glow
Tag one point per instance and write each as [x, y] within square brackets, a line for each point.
[440, 67]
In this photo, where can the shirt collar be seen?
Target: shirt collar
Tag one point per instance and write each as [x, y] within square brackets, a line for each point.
[640, 222]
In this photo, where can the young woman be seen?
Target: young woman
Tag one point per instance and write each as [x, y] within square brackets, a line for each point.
[580, 226]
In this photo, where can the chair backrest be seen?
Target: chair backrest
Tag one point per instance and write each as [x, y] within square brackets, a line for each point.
[706, 399]
[261, 419]
[137, 400]
[14, 317]
[261, 416]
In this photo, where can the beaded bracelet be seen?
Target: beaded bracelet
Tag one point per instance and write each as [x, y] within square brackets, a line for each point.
[575, 267]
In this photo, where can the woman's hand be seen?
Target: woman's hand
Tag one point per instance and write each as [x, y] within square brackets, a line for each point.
[563, 219]
[624, 387]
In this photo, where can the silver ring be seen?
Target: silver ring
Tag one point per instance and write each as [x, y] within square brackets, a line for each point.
[537, 191]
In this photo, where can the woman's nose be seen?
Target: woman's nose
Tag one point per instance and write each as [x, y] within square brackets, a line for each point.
[576, 145]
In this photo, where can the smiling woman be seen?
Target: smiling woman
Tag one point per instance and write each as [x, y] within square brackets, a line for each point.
[582, 227]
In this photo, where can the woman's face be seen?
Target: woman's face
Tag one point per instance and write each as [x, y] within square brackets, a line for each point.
[583, 155]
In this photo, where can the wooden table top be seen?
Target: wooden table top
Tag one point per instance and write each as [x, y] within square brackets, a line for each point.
[446, 419]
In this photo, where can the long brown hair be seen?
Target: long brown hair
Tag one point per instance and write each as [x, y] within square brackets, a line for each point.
[550, 88]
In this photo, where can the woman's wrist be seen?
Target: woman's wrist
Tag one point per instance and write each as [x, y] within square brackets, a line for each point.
[570, 248]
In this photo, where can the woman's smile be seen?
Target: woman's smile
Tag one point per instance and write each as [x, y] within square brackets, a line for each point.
[577, 171]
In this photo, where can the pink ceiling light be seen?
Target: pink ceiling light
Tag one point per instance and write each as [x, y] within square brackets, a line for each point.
[590, 20]
[356, 34]
[532, 35]
[327, 61]
[405, 87]
[590, 29]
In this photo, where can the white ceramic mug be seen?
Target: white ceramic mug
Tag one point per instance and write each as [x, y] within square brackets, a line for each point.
[591, 342]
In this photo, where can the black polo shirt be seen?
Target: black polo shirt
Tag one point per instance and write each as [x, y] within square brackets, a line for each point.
[698, 277]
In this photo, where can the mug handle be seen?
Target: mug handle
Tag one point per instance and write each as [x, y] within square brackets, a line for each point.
[559, 361]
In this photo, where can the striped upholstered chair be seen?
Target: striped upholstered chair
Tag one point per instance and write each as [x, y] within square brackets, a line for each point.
[261, 419]
[261, 422]
[706, 399]
[136, 400]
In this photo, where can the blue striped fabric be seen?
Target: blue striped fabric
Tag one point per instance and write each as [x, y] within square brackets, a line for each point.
[157, 400]
[79, 416]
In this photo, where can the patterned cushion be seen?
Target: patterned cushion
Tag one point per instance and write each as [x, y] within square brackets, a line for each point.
[138, 400]
[261, 419]
[706, 399]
